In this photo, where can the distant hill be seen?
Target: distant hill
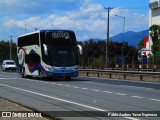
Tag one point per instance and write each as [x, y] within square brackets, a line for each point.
[131, 37]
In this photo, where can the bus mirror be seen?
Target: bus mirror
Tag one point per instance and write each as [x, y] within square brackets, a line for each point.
[45, 49]
[80, 49]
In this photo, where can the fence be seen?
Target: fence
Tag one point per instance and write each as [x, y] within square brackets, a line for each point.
[110, 73]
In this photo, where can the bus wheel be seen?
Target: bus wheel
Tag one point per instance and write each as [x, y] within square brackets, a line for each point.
[68, 78]
[40, 75]
[23, 73]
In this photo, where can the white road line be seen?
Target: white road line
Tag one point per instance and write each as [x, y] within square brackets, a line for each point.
[75, 87]
[62, 100]
[9, 78]
[155, 100]
[5, 78]
[107, 92]
[60, 84]
[149, 88]
[137, 97]
[55, 98]
[95, 90]
[136, 87]
[120, 94]
[132, 118]
[67, 85]
[51, 83]
[84, 88]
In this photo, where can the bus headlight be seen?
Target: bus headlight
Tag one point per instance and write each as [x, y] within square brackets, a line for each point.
[74, 69]
[51, 69]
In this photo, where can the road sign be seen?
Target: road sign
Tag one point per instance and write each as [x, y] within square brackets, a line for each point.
[120, 60]
[144, 59]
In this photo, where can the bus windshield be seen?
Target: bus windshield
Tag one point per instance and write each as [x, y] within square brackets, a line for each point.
[60, 39]
[9, 63]
[62, 57]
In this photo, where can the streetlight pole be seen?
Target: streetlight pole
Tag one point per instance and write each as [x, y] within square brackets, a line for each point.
[123, 40]
[107, 41]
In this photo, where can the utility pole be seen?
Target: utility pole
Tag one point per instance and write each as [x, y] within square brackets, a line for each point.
[36, 28]
[107, 41]
[11, 47]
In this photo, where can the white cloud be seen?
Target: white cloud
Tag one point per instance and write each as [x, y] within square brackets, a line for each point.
[90, 21]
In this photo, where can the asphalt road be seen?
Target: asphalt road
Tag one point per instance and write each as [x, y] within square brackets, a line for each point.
[81, 94]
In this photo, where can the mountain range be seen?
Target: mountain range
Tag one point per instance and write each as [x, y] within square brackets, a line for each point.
[133, 38]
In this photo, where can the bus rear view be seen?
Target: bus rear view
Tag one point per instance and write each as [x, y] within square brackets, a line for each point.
[57, 55]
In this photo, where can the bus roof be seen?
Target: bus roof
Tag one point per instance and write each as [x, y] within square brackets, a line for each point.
[43, 31]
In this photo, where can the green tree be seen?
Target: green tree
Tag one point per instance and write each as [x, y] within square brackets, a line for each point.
[4, 50]
[155, 35]
[155, 32]
[95, 53]
[141, 44]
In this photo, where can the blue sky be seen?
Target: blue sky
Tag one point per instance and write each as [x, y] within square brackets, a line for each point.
[87, 18]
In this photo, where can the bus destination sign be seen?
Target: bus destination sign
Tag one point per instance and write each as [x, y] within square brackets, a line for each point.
[60, 35]
[154, 5]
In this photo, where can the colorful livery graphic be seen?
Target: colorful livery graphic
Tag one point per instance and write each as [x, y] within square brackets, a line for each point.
[48, 53]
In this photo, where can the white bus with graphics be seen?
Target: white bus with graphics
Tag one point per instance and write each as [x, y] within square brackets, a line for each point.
[48, 53]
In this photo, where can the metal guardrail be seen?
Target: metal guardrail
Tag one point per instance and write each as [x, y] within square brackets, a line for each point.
[141, 74]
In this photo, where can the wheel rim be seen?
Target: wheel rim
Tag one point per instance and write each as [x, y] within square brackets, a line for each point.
[40, 75]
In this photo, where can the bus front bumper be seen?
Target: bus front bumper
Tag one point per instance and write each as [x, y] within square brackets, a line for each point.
[63, 74]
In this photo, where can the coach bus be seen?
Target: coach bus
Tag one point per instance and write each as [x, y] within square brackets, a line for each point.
[48, 53]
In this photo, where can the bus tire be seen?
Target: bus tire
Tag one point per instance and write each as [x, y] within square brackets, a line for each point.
[68, 78]
[40, 75]
[23, 73]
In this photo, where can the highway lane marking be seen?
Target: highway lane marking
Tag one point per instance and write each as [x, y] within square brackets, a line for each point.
[5, 78]
[84, 88]
[62, 100]
[9, 78]
[75, 87]
[67, 85]
[137, 97]
[120, 94]
[107, 92]
[155, 100]
[125, 81]
[60, 84]
[55, 98]
[132, 118]
[137, 87]
[96, 90]
[119, 80]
